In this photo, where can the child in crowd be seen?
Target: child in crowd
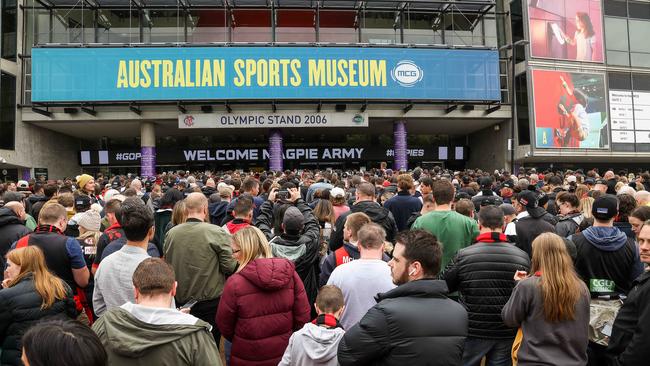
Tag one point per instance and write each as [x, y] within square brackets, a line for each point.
[317, 342]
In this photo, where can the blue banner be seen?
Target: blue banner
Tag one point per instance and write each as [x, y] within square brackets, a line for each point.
[257, 73]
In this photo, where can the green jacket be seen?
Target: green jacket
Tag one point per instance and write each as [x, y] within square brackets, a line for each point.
[202, 258]
[167, 338]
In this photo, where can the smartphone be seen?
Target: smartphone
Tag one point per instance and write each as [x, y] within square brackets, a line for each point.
[189, 304]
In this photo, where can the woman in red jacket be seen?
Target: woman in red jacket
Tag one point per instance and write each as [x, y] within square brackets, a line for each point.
[262, 304]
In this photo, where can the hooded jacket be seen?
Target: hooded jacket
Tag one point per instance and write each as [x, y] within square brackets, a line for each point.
[607, 260]
[313, 345]
[378, 214]
[20, 308]
[138, 335]
[11, 229]
[411, 323]
[261, 306]
[302, 250]
[402, 205]
[217, 212]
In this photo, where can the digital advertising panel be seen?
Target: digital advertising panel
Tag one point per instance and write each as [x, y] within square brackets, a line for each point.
[566, 29]
[570, 110]
[263, 73]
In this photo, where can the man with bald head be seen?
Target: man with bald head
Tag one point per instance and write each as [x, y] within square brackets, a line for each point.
[610, 179]
[12, 228]
[202, 258]
[365, 202]
[642, 198]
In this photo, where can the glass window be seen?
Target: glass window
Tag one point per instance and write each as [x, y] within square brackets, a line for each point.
[523, 119]
[71, 26]
[618, 58]
[118, 26]
[641, 81]
[207, 26]
[619, 80]
[338, 26]
[163, 26]
[295, 26]
[7, 111]
[380, 27]
[616, 34]
[640, 10]
[639, 31]
[251, 25]
[640, 59]
[422, 28]
[616, 8]
[9, 26]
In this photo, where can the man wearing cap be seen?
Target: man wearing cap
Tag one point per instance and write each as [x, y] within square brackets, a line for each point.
[486, 196]
[601, 185]
[297, 238]
[81, 204]
[628, 344]
[530, 220]
[507, 191]
[607, 260]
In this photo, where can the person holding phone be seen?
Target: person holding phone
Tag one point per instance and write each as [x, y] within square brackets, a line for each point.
[151, 331]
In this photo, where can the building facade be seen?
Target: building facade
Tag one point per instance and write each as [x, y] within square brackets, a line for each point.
[150, 86]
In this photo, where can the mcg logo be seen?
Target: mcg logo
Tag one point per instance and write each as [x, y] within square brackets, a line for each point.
[407, 73]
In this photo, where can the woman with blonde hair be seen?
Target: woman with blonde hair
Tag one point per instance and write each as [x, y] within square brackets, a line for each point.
[262, 304]
[551, 307]
[30, 293]
[585, 206]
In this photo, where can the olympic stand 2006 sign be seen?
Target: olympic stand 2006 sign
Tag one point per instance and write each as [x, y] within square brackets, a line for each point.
[262, 119]
[263, 73]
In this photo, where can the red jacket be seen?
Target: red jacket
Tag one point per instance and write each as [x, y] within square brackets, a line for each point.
[261, 306]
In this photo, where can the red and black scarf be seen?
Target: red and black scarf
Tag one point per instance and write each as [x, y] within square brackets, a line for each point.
[492, 237]
[328, 321]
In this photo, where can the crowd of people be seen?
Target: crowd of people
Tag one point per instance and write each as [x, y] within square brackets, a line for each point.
[326, 267]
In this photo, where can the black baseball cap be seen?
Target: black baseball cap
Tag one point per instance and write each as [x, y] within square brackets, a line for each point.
[605, 207]
[82, 202]
[601, 181]
[486, 182]
[590, 181]
[527, 198]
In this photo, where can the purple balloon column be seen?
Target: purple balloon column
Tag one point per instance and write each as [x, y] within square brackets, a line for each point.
[275, 150]
[27, 174]
[148, 161]
[399, 138]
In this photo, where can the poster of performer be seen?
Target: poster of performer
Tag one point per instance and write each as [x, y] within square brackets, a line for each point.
[570, 110]
[566, 29]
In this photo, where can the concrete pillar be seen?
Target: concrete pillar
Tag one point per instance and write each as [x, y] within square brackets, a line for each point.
[400, 147]
[147, 149]
[276, 150]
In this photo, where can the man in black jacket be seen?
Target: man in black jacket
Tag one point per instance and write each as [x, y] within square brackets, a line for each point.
[366, 203]
[568, 206]
[12, 228]
[530, 220]
[630, 338]
[482, 273]
[415, 323]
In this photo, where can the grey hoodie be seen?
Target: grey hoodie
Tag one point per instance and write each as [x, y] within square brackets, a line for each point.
[312, 345]
[140, 335]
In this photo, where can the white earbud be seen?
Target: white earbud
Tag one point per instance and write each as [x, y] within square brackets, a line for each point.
[411, 272]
